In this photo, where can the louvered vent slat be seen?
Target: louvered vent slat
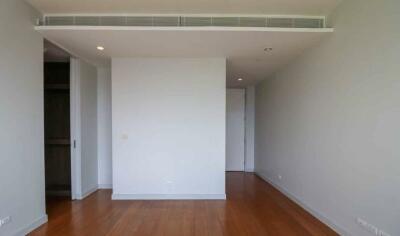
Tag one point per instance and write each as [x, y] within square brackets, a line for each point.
[166, 21]
[196, 21]
[87, 20]
[113, 21]
[280, 23]
[308, 23]
[60, 20]
[253, 22]
[139, 21]
[225, 21]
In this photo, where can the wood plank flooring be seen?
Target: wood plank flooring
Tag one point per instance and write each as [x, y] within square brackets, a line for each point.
[253, 207]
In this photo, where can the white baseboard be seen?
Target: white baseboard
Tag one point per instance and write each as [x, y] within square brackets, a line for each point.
[86, 194]
[299, 202]
[32, 226]
[250, 170]
[117, 196]
[105, 186]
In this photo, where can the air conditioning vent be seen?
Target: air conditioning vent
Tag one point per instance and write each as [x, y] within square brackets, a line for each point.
[166, 21]
[59, 20]
[87, 20]
[225, 21]
[196, 21]
[112, 20]
[308, 23]
[184, 21]
[139, 21]
[253, 22]
[280, 22]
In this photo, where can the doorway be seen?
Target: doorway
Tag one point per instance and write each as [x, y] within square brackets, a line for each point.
[57, 128]
[235, 129]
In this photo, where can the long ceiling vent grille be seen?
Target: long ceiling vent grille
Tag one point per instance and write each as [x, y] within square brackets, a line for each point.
[184, 21]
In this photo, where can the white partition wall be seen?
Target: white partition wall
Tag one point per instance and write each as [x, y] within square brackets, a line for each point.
[168, 121]
[84, 163]
[22, 184]
[104, 127]
[249, 130]
[328, 124]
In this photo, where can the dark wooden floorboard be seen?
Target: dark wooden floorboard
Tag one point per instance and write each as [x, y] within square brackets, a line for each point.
[253, 207]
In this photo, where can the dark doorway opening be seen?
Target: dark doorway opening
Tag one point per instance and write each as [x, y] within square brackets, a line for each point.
[57, 128]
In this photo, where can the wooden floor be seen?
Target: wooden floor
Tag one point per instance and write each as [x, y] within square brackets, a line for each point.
[253, 207]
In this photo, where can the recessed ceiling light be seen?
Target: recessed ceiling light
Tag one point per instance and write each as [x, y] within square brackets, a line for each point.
[240, 79]
[267, 49]
[100, 48]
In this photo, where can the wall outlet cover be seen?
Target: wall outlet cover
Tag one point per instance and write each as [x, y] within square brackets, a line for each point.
[382, 233]
[5, 221]
[368, 227]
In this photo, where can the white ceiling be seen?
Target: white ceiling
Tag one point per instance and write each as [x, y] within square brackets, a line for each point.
[244, 49]
[299, 7]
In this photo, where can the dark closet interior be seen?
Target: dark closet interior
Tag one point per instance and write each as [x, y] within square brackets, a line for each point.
[57, 128]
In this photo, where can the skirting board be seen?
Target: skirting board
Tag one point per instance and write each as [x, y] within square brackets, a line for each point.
[168, 196]
[34, 225]
[90, 191]
[105, 186]
[316, 214]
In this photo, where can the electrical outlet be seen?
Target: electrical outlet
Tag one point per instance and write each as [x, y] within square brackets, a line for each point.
[361, 222]
[368, 227]
[382, 233]
[280, 177]
[5, 221]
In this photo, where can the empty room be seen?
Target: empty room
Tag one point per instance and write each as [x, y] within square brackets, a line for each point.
[200, 118]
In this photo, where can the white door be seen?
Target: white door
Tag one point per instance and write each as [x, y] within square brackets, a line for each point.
[235, 115]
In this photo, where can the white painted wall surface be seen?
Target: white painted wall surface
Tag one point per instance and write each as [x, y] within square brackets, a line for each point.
[88, 115]
[249, 132]
[235, 129]
[104, 140]
[22, 186]
[329, 123]
[168, 120]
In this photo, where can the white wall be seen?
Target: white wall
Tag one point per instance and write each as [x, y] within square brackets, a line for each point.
[88, 116]
[329, 123]
[235, 129]
[22, 187]
[104, 140]
[168, 119]
[249, 132]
